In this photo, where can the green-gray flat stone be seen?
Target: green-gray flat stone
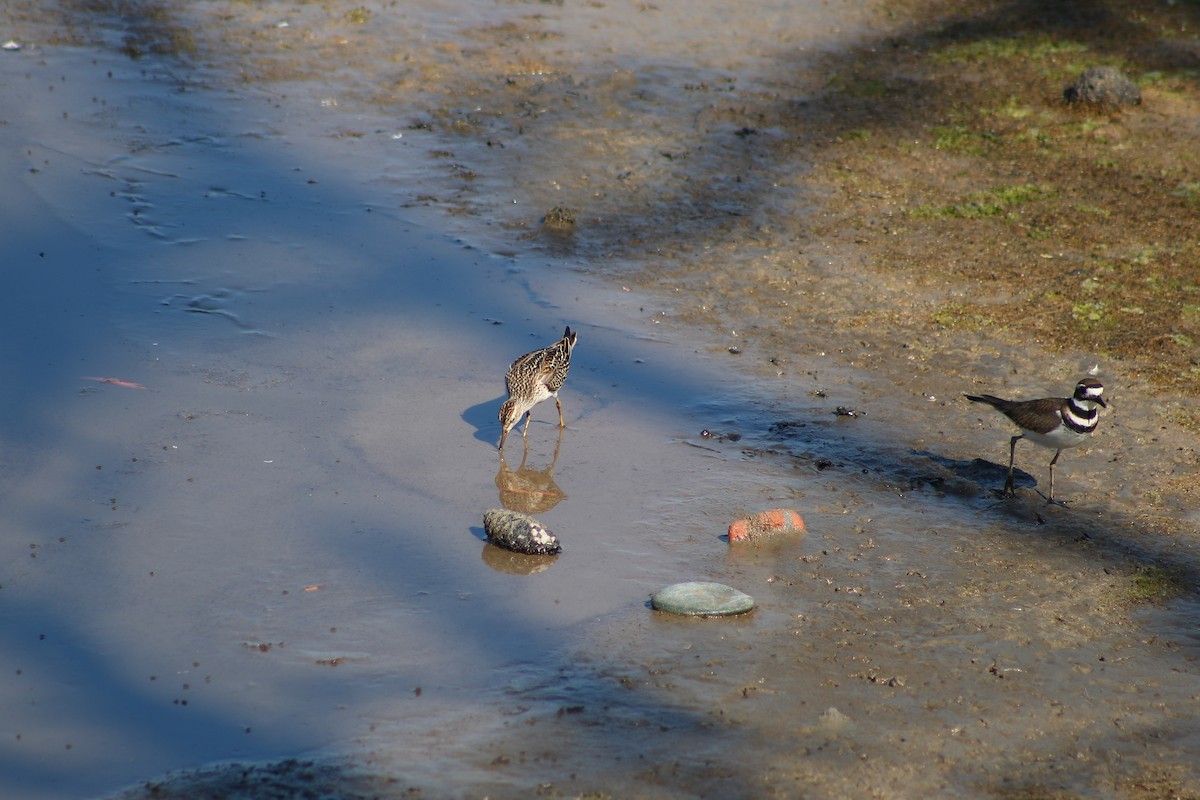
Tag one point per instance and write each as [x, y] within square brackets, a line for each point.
[701, 599]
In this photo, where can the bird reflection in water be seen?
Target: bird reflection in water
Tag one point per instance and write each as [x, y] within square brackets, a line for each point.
[528, 490]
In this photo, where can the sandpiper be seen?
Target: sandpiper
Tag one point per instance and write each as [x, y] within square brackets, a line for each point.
[1054, 422]
[534, 377]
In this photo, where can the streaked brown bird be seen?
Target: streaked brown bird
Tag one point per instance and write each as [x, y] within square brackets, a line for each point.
[535, 377]
[1054, 422]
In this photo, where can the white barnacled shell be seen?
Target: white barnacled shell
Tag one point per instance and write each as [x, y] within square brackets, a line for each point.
[518, 532]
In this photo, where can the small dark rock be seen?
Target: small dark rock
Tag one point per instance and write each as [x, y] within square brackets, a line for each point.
[560, 217]
[1103, 86]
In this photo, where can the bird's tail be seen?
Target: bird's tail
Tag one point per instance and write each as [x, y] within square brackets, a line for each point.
[994, 402]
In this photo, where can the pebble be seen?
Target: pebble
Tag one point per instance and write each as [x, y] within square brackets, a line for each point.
[766, 523]
[701, 599]
[519, 532]
[1103, 86]
[832, 718]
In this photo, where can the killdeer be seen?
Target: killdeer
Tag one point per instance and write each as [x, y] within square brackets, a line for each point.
[534, 377]
[1055, 422]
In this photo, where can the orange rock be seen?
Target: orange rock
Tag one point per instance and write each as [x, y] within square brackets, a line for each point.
[764, 523]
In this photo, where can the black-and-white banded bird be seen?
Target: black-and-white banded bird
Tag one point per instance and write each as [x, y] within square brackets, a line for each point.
[1054, 422]
[534, 377]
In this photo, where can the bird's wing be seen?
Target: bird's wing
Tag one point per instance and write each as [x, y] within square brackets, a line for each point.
[532, 363]
[1039, 416]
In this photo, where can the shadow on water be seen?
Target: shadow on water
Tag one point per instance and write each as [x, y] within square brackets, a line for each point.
[602, 711]
[483, 417]
[152, 728]
[55, 652]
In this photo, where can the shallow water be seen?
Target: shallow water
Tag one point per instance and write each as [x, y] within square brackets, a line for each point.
[271, 545]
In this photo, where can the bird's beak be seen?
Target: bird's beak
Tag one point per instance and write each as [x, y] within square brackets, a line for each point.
[1100, 400]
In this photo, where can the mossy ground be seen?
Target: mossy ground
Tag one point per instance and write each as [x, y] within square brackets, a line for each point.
[1071, 227]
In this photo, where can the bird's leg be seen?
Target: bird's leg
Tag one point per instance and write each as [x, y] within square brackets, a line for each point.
[558, 403]
[528, 414]
[1012, 458]
[1053, 461]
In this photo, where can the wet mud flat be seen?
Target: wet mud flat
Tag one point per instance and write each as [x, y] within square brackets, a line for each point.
[925, 637]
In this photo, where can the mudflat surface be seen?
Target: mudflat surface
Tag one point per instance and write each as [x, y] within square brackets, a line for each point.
[269, 261]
